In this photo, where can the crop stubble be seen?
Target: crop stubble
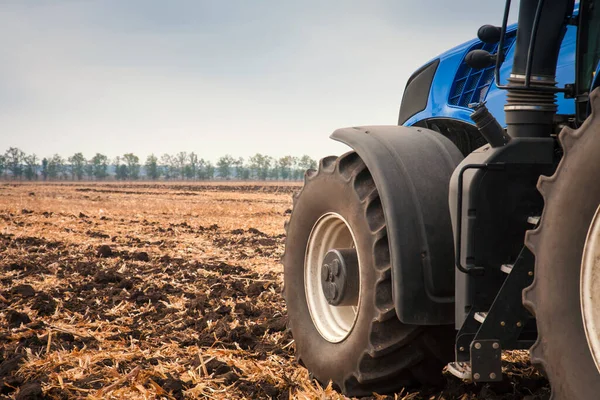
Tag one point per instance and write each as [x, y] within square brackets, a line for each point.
[146, 290]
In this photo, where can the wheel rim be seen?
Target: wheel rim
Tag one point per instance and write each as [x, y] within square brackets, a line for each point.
[334, 323]
[590, 288]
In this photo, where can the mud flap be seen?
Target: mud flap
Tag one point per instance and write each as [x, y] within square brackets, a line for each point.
[411, 168]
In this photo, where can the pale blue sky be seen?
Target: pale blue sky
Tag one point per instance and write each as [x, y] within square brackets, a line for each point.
[213, 77]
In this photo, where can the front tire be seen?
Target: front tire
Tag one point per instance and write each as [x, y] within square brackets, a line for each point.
[362, 348]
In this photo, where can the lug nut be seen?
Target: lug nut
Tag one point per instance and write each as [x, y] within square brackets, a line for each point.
[325, 273]
[335, 268]
[477, 345]
[332, 289]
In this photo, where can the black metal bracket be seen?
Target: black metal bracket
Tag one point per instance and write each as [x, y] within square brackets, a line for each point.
[458, 239]
[570, 92]
[486, 361]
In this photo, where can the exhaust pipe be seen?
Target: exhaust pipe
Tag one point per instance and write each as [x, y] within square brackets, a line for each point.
[530, 112]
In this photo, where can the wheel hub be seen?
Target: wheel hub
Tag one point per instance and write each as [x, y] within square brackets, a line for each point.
[339, 277]
[332, 277]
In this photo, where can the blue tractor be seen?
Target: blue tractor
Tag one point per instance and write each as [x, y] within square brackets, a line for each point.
[470, 228]
[438, 95]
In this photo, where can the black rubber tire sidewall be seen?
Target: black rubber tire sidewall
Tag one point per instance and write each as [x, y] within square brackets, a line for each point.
[572, 197]
[325, 193]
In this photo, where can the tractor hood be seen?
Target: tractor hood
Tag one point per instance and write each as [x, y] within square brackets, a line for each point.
[445, 86]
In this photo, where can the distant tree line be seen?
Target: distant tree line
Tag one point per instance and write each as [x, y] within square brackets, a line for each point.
[15, 164]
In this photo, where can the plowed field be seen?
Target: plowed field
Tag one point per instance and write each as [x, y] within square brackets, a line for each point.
[161, 291]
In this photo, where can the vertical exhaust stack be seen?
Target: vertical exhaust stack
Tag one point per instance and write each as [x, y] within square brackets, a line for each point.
[530, 112]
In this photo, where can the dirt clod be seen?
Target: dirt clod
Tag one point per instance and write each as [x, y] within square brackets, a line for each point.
[141, 256]
[15, 318]
[256, 288]
[44, 304]
[215, 366]
[107, 276]
[30, 391]
[255, 231]
[104, 251]
[229, 377]
[23, 291]
[8, 384]
[11, 364]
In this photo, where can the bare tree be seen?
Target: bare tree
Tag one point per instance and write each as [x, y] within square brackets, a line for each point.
[224, 166]
[100, 166]
[31, 167]
[166, 163]
[191, 169]
[2, 164]
[180, 162]
[77, 162]
[259, 166]
[56, 167]
[152, 169]
[14, 161]
[133, 165]
[285, 166]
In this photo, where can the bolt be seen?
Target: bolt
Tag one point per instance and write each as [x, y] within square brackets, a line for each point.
[519, 324]
[496, 345]
[326, 273]
[476, 376]
[502, 323]
[530, 273]
[492, 376]
[477, 345]
[335, 267]
[332, 290]
[335, 290]
[461, 348]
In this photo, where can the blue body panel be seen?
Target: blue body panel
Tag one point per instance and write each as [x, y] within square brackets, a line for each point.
[452, 70]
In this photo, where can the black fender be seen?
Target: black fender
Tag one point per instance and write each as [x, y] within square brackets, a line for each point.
[412, 168]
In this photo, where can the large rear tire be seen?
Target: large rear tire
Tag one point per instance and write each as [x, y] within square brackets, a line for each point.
[365, 348]
[571, 197]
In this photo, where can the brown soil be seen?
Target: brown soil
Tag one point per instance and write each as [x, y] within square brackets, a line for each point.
[151, 290]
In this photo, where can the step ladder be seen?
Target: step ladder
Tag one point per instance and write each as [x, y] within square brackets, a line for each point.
[480, 316]
[461, 370]
[506, 268]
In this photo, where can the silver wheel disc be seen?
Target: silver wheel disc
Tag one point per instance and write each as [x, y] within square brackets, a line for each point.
[334, 323]
[590, 288]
